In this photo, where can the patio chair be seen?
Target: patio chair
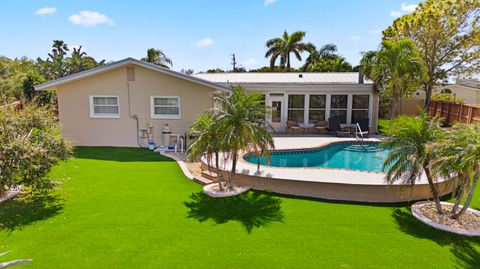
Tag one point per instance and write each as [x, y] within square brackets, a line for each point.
[321, 126]
[334, 126]
[294, 126]
[364, 126]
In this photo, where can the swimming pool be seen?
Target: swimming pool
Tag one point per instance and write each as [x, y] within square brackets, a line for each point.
[368, 156]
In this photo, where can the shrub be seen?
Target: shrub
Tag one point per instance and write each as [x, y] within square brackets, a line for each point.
[30, 144]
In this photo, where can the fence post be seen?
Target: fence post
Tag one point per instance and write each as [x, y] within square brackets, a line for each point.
[469, 115]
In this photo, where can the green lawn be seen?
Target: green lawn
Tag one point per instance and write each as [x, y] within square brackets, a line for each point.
[383, 125]
[131, 208]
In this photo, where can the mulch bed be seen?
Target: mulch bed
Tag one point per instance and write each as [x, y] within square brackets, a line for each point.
[468, 221]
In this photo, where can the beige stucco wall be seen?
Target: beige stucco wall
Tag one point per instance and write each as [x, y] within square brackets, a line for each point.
[341, 191]
[74, 106]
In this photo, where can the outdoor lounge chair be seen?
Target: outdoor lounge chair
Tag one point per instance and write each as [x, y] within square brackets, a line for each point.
[294, 126]
[364, 126]
[334, 126]
[321, 126]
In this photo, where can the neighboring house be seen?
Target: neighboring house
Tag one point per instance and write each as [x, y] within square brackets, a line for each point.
[111, 105]
[308, 97]
[467, 90]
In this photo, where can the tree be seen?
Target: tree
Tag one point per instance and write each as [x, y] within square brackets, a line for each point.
[267, 69]
[216, 70]
[58, 64]
[459, 156]
[208, 142]
[30, 145]
[30, 94]
[333, 64]
[13, 73]
[396, 66]
[409, 157]
[80, 61]
[327, 51]
[282, 47]
[158, 57]
[242, 120]
[447, 35]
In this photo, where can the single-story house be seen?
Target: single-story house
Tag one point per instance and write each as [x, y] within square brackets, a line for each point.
[467, 90]
[308, 97]
[118, 103]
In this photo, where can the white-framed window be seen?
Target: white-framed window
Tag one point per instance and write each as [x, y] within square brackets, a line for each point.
[165, 107]
[104, 106]
[296, 107]
[360, 107]
[317, 107]
[338, 107]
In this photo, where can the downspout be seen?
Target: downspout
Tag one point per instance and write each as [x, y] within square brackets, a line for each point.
[133, 116]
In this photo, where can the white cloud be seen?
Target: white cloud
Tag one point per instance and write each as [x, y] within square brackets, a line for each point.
[355, 38]
[250, 62]
[395, 13]
[375, 31]
[269, 2]
[205, 42]
[408, 8]
[90, 18]
[45, 11]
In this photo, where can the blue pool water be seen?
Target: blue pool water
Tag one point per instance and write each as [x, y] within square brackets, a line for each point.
[354, 156]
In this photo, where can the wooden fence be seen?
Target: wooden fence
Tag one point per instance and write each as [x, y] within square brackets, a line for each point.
[455, 112]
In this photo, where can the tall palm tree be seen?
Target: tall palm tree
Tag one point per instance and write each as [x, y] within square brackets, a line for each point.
[158, 57]
[208, 142]
[397, 66]
[282, 47]
[459, 156]
[327, 51]
[242, 118]
[59, 47]
[409, 156]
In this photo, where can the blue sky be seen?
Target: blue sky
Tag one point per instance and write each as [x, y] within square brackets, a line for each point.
[195, 34]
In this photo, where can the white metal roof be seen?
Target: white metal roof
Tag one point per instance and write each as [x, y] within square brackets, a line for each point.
[287, 78]
[125, 62]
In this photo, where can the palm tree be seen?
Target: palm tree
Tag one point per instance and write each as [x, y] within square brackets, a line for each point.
[334, 64]
[325, 52]
[459, 156]
[397, 66]
[284, 46]
[409, 156]
[208, 142]
[242, 119]
[158, 57]
[59, 47]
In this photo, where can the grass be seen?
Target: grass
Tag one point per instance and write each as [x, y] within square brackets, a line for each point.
[383, 125]
[131, 208]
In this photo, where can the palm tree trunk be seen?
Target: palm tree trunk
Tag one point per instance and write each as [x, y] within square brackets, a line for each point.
[393, 108]
[434, 190]
[217, 166]
[234, 168]
[470, 194]
[288, 62]
[459, 196]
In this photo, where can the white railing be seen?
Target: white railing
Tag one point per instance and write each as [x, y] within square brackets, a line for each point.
[357, 131]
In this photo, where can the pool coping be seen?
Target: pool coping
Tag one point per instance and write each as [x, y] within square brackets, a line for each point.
[321, 175]
[316, 149]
